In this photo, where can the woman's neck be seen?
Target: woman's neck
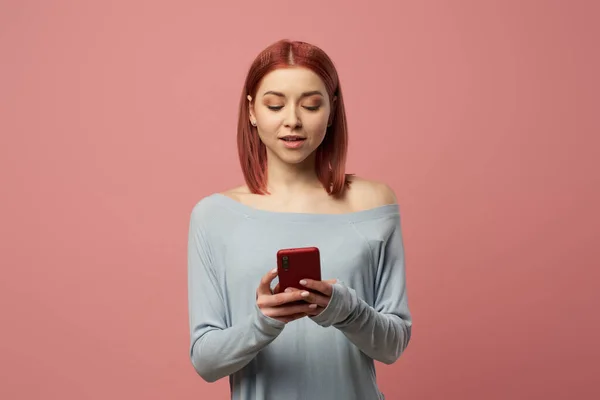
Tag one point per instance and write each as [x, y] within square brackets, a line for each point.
[286, 179]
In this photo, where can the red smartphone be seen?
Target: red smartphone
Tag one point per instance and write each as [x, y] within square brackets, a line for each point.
[296, 264]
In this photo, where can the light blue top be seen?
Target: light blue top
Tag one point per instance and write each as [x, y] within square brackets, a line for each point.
[330, 356]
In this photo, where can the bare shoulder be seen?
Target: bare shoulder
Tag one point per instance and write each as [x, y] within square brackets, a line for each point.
[367, 193]
[237, 193]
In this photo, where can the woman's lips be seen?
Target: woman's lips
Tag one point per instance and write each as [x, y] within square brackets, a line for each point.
[293, 143]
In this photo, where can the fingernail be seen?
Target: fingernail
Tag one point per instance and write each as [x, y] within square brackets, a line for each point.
[312, 306]
[274, 270]
[304, 294]
[303, 282]
[288, 290]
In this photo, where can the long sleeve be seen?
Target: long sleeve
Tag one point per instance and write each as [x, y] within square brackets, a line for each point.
[218, 350]
[383, 331]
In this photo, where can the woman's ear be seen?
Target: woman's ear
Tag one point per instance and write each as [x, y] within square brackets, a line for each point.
[251, 110]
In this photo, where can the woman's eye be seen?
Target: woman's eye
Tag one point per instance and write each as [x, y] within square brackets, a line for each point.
[309, 108]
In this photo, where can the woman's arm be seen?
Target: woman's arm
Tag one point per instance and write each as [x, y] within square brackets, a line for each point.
[218, 350]
[383, 331]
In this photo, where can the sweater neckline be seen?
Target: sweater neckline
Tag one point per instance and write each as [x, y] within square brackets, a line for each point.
[354, 216]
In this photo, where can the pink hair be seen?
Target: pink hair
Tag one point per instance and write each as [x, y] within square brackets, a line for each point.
[331, 154]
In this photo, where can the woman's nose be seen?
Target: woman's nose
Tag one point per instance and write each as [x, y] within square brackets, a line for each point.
[291, 118]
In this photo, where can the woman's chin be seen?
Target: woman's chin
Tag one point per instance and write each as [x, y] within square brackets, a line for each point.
[293, 157]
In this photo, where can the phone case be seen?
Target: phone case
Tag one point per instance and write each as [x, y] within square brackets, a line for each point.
[296, 264]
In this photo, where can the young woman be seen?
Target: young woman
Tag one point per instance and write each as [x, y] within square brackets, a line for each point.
[321, 345]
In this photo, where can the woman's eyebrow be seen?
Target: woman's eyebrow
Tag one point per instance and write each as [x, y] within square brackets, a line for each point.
[305, 94]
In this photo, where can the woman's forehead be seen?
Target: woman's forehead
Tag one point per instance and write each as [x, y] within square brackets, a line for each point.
[291, 81]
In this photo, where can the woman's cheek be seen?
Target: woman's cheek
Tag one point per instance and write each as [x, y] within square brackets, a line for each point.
[271, 122]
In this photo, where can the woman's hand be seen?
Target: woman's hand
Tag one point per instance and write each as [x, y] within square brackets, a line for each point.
[320, 294]
[285, 307]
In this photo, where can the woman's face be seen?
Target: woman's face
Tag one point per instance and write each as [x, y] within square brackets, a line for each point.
[291, 111]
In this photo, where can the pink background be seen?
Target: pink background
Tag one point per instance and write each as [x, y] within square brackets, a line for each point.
[116, 117]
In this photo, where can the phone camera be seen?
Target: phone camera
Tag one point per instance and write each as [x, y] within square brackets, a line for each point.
[285, 263]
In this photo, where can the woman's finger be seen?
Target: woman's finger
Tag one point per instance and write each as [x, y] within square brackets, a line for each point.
[264, 288]
[315, 298]
[324, 287]
[286, 311]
